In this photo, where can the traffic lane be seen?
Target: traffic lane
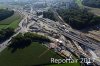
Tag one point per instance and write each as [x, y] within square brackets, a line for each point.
[93, 46]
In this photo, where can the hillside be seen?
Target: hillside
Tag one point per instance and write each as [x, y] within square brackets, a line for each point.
[92, 3]
[4, 13]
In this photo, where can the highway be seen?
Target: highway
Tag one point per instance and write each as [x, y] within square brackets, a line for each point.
[80, 40]
[22, 28]
[70, 33]
[76, 37]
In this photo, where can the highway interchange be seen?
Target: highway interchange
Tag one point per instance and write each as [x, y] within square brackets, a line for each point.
[64, 30]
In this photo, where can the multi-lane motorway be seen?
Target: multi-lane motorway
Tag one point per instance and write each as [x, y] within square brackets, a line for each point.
[76, 37]
[81, 40]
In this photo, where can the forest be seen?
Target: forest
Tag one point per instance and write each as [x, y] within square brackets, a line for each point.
[79, 18]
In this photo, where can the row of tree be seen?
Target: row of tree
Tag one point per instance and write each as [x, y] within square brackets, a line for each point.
[4, 13]
[79, 18]
[6, 33]
[92, 3]
[24, 40]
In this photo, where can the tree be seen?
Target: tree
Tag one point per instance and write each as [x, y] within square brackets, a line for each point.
[49, 14]
[24, 40]
[79, 18]
[6, 33]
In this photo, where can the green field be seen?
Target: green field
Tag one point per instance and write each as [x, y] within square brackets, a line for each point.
[27, 56]
[12, 21]
[70, 64]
